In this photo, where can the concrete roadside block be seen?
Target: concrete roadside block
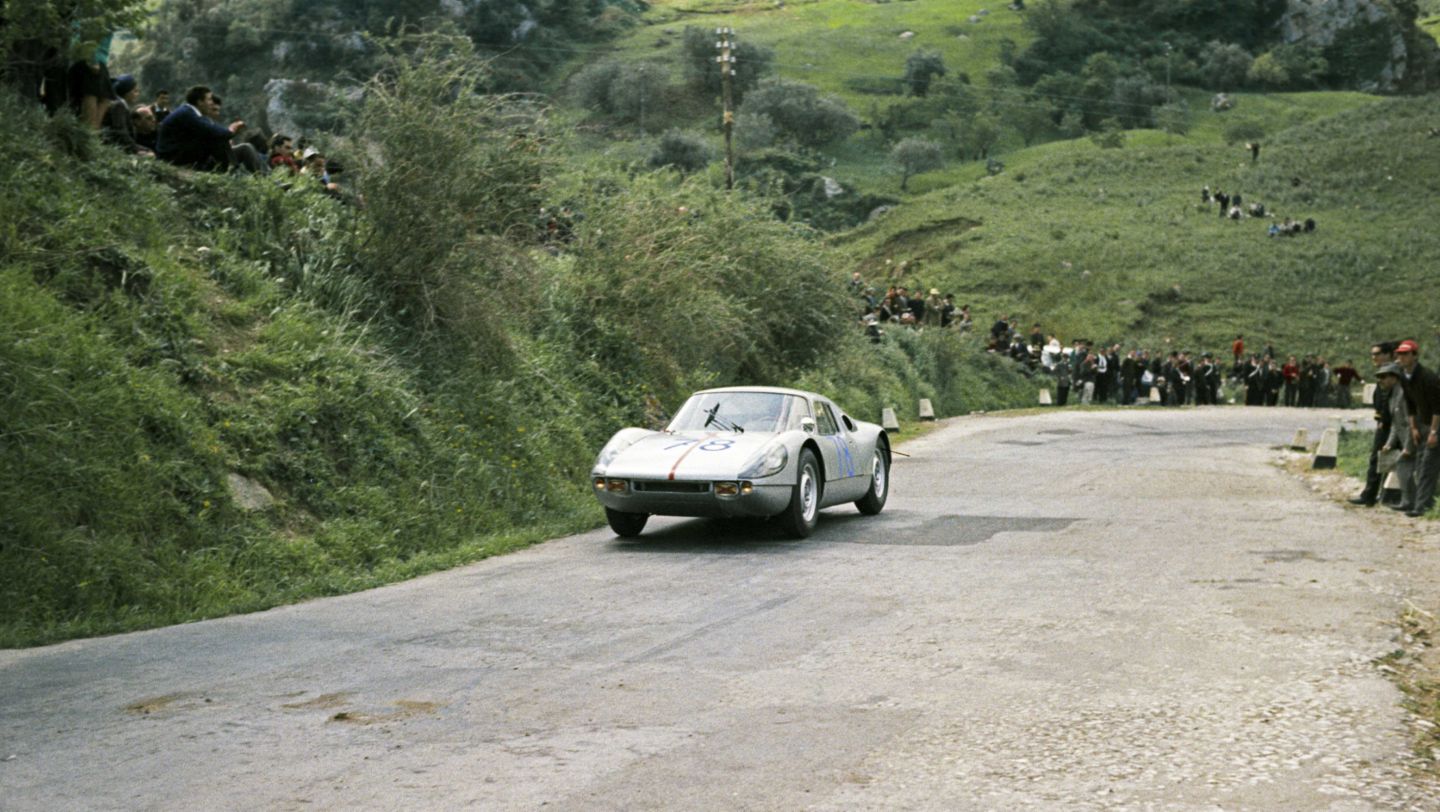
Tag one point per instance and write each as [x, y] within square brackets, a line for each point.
[1368, 396]
[927, 411]
[888, 420]
[1045, 398]
[1390, 491]
[1154, 394]
[1301, 441]
[1328, 450]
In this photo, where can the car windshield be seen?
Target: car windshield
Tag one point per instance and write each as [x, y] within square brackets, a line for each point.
[740, 411]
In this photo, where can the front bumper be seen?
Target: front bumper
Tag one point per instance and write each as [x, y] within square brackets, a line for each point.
[692, 497]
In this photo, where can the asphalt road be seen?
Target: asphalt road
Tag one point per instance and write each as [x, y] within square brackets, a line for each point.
[1097, 610]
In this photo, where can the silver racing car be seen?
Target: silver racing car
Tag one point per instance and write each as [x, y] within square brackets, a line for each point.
[745, 451]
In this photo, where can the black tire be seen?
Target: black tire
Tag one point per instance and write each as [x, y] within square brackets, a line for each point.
[803, 512]
[626, 525]
[874, 499]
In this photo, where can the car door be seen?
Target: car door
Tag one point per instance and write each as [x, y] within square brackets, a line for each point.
[837, 446]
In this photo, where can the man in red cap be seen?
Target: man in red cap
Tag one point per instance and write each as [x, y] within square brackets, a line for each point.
[1422, 395]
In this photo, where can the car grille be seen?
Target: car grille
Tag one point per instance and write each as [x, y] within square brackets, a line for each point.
[668, 486]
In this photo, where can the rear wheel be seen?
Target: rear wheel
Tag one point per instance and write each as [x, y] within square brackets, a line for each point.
[626, 525]
[874, 499]
[803, 512]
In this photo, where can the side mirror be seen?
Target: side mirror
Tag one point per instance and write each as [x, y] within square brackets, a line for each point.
[807, 425]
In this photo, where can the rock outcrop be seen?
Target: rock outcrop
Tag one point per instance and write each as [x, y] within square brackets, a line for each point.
[1402, 57]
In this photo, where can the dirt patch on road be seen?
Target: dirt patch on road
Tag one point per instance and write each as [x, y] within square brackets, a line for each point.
[404, 709]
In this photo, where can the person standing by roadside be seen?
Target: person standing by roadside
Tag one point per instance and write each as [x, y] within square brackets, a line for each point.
[1345, 374]
[1291, 373]
[1382, 354]
[1063, 374]
[1422, 397]
[1397, 440]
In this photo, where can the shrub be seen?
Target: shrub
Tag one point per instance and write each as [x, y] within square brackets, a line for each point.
[591, 86]
[801, 112]
[921, 68]
[1225, 65]
[752, 62]
[635, 89]
[681, 150]
[474, 161]
[755, 131]
[916, 155]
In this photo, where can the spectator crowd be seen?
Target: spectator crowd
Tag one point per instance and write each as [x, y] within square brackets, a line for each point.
[193, 134]
[1406, 395]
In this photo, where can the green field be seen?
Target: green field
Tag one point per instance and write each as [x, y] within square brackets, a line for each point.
[1113, 243]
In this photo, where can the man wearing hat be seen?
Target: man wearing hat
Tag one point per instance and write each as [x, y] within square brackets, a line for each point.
[1382, 353]
[1422, 398]
[1396, 440]
[118, 126]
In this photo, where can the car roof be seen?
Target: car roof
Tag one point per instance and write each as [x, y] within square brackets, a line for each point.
[775, 390]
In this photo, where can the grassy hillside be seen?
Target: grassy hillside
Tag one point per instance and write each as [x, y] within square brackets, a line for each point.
[415, 383]
[1114, 244]
[837, 44]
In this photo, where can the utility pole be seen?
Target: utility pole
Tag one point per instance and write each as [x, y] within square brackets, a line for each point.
[727, 72]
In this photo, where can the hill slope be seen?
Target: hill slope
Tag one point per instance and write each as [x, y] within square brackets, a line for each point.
[1114, 243]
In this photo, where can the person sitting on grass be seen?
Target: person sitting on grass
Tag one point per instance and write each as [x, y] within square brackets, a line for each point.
[189, 137]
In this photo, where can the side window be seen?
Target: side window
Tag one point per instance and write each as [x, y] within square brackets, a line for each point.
[825, 419]
[797, 409]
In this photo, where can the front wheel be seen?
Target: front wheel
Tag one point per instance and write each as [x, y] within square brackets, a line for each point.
[803, 512]
[874, 499]
[626, 525]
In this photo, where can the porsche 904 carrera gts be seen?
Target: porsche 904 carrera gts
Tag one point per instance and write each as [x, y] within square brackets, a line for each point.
[745, 451]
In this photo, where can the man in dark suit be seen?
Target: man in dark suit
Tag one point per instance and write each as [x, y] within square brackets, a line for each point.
[1381, 353]
[1422, 395]
[189, 137]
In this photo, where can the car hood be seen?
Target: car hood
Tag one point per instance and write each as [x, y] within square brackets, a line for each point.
[706, 455]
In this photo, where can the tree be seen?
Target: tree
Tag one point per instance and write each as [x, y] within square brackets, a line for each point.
[686, 152]
[921, 68]
[32, 31]
[1025, 115]
[1289, 66]
[916, 155]
[752, 62]
[1135, 98]
[1225, 65]
[637, 88]
[801, 113]
[1173, 118]
[981, 134]
[1110, 135]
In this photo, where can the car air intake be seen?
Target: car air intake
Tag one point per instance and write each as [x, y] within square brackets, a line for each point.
[668, 486]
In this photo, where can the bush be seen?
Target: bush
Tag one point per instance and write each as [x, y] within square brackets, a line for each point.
[591, 86]
[801, 112]
[752, 63]
[637, 88]
[474, 160]
[1225, 65]
[681, 150]
[921, 68]
[755, 131]
[916, 155]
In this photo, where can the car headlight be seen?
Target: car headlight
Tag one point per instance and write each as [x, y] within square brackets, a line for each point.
[769, 462]
[612, 449]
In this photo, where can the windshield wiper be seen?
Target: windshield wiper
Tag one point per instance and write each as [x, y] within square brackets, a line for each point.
[712, 416]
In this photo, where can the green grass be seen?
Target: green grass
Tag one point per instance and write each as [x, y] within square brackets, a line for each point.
[1113, 244]
[827, 43]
